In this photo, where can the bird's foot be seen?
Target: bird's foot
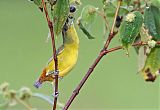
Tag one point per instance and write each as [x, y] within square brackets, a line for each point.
[54, 72]
[55, 94]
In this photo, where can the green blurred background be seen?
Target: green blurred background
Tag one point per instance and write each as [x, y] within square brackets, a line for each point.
[114, 85]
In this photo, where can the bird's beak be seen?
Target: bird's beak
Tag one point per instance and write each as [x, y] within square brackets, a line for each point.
[37, 84]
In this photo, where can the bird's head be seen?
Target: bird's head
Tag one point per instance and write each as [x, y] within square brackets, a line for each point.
[43, 78]
[70, 18]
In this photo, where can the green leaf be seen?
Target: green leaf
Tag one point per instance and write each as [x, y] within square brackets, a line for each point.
[87, 19]
[85, 31]
[109, 9]
[152, 21]
[130, 28]
[152, 65]
[60, 14]
[37, 2]
[156, 3]
[125, 10]
[77, 2]
[127, 2]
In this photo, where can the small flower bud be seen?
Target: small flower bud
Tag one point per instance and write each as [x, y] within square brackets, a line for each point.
[4, 87]
[25, 93]
[151, 43]
[130, 17]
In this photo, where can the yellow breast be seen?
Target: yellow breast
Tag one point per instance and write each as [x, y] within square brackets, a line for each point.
[67, 58]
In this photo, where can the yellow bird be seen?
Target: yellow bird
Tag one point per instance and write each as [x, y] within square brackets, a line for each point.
[67, 54]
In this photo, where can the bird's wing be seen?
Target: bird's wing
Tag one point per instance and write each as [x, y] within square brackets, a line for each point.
[60, 49]
[58, 52]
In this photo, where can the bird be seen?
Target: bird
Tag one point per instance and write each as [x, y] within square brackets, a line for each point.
[67, 53]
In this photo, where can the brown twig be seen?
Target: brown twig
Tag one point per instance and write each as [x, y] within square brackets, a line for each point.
[90, 70]
[134, 45]
[56, 72]
[112, 34]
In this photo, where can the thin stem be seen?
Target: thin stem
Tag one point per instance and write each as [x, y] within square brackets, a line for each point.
[105, 19]
[134, 45]
[112, 34]
[97, 60]
[76, 91]
[23, 103]
[50, 25]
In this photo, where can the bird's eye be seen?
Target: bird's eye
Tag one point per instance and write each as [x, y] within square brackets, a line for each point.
[72, 9]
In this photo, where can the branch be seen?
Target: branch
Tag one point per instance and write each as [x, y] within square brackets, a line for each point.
[90, 70]
[56, 72]
[112, 33]
[134, 45]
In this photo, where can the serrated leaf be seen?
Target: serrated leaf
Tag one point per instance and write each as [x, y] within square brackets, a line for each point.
[130, 28]
[87, 19]
[60, 14]
[152, 21]
[37, 2]
[152, 65]
[125, 10]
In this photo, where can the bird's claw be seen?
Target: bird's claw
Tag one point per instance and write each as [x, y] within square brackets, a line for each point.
[55, 72]
[55, 94]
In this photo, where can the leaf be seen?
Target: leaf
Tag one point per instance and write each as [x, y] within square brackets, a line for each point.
[125, 10]
[127, 2]
[87, 19]
[60, 14]
[152, 65]
[130, 28]
[156, 3]
[37, 2]
[152, 21]
[85, 31]
[109, 9]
